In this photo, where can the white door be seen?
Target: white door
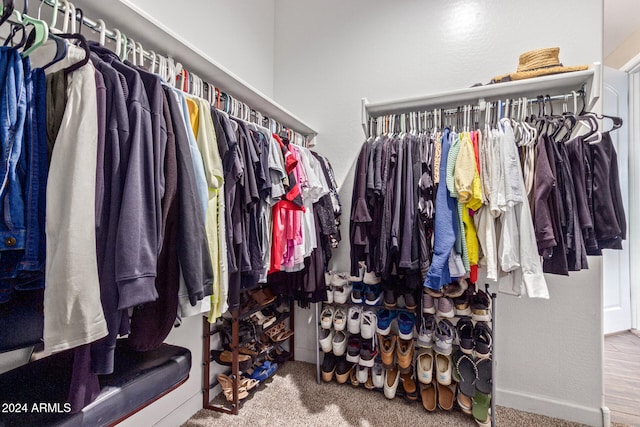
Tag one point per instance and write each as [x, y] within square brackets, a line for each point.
[617, 292]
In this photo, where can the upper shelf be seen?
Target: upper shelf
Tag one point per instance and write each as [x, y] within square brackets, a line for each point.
[134, 22]
[529, 87]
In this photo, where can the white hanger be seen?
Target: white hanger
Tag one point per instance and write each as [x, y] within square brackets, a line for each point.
[54, 17]
[72, 18]
[140, 54]
[103, 28]
[131, 47]
[152, 67]
[118, 41]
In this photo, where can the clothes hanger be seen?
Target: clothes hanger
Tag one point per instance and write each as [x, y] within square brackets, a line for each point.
[118, 41]
[84, 45]
[7, 10]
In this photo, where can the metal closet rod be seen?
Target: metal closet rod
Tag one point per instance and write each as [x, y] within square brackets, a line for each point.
[95, 26]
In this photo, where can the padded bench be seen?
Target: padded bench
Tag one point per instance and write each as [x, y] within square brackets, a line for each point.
[140, 378]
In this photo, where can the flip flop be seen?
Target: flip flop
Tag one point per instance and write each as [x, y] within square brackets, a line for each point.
[468, 375]
[480, 411]
[484, 372]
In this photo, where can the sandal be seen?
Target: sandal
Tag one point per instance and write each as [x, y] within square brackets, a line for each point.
[227, 388]
[283, 336]
[273, 332]
[262, 296]
[249, 383]
[261, 320]
[225, 357]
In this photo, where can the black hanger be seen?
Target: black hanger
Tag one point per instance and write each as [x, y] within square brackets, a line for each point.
[61, 50]
[84, 45]
[15, 27]
[7, 10]
[25, 9]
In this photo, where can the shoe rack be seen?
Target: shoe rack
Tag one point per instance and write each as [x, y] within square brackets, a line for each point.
[481, 398]
[241, 333]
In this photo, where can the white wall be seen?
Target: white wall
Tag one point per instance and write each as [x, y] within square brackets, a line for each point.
[549, 352]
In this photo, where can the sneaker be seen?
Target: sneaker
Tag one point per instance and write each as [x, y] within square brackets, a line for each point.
[371, 278]
[339, 343]
[464, 329]
[410, 301]
[368, 353]
[372, 295]
[329, 294]
[360, 276]
[406, 323]
[354, 319]
[481, 307]
[428, 303]
[425, 334]
[443, 369]
[387, 350]
[326, 339]
[357, 292]
[445, 308]
[328, 367]
[339, 319]
[385, 318]
[341, 293]
[362, 374]
[392, 378]
[353, 349]
[328, 275]
[482, 340]
[424, 366]
[443, 337]
[377, 375]
[389, 299]
[463, 304]
[433, 292]
[368, 324]
[455, 288]
[326, 317]
[405, 354]
[343, 368]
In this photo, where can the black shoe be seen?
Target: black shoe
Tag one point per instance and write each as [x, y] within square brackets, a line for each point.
[328, 367]
[343, 368]
[389, 299]
[410, 301]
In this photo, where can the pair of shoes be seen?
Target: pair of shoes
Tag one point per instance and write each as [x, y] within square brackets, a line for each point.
[456, 288]
[341, 288]
[392, 347]
[405, 300]
[481, 307]
[405, 321]
[227, 388]
[462, 303]
[333, 317]
[361, 351]
[426, 330]
[260, 319]
[279, 333]
[262, 296]
[225, 357]
[478, 337]
[443, 336]
[361, 321]
[264, 371]
[441, 306]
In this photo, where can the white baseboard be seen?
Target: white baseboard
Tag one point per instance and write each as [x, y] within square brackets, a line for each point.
[551, 407]
[182, 413]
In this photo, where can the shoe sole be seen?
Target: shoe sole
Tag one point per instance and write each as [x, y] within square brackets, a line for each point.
[367, 363]
[353, 359]
[390, 306]
[429, 310]
[424, 344]
[405, 336]
[356, 300]
[481, 317]
[448, 315]
[463, 311]
[384, 331]
[374, 302]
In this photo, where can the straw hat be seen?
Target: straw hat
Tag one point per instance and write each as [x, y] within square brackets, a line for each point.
[538, 62]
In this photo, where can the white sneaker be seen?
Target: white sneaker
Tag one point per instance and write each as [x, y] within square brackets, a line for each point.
[424, 366]
[362, 374]
[341, 293]
[391, 381]
[339, 319]
[443, 369]
[339, 343]
[368, 324]
[328, 276]
[371, 278]
[326, 318]
[354, 318]
[377, 373]
[326, 339]
[360, 275]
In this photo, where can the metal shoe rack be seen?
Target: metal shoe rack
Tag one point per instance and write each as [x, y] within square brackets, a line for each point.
[492, 295]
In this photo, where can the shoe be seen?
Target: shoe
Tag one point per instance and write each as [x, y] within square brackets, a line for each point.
[405, 354]
[425, 333]
[259, 319]
[484, 376]
[406, 322]
[455, 289]
[328, 275]
[369, 384]
[481, 307]
[328, 367]
[410, 301]
[360, 276]
[354, 319]
[424, 366]
[227, 388]
[446, 396]
[353, 376]
[343, 368]
[326, 317]
[357, 292]
[385, 318]
[445, 308]
[387, 350]
[326, 340]
[368, 324]
[389, 299]
[482, 340]
[377, 375]
[392, 379]
[463, 304]
[468, 375]
[465, 403]
[443, 369]
[339, 343]
[428, 302]
[371, 278]
[353, 349]
[434, 293]
[409, 386]
[464, 329]
[341, 288]
[429, 396]
[339, 319]
[225, 357]
[368, 353]
[362, 374]
[444, 337]
[480, 409]
[372, 295]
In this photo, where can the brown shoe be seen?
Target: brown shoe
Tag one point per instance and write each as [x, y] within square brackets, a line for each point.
[429, 397]
[387, 350]
[353, 376]
[405, 354]
[409, 386]
[446, 396]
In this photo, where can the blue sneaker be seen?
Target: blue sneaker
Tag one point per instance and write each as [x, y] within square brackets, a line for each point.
[357, 292]
[406, 321]
[385, 318]
[372, 295]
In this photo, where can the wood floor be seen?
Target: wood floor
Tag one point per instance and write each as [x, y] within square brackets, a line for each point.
[622, 377]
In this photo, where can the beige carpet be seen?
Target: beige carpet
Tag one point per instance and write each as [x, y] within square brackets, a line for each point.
[293, 398]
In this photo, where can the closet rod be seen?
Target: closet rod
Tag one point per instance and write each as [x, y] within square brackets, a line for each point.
[112, 35]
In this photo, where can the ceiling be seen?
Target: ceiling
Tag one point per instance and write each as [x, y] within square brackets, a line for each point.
[621, 19]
